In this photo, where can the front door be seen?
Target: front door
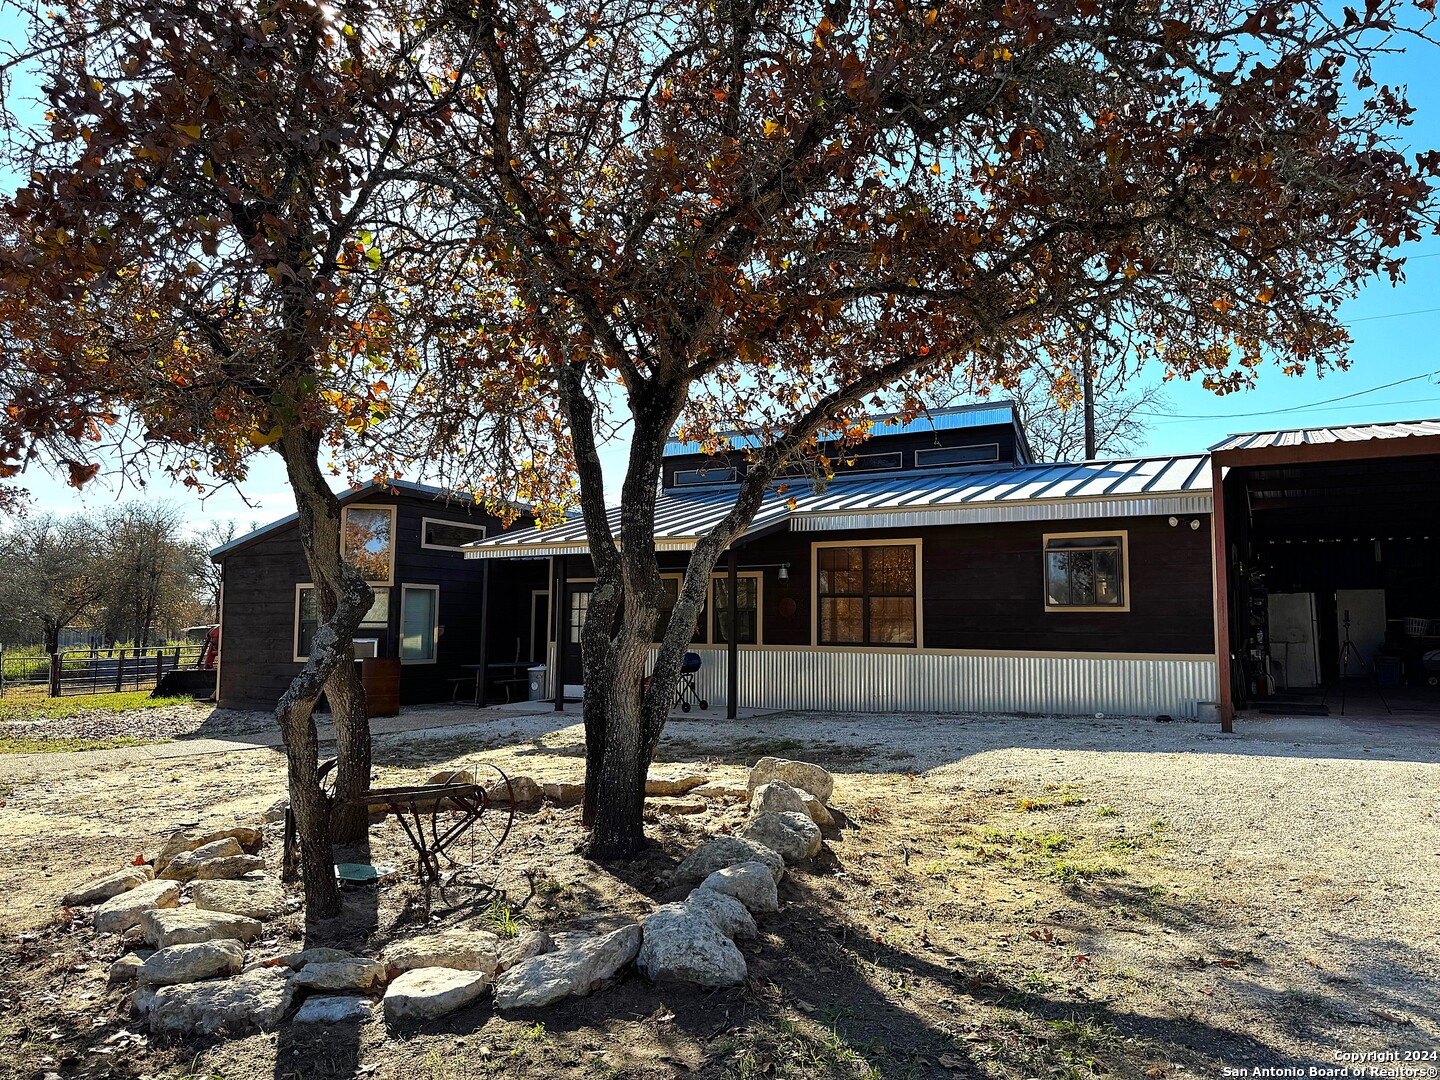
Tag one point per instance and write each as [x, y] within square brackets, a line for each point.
[577, 607]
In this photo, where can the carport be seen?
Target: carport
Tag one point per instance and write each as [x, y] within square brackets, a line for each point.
[1324, 535]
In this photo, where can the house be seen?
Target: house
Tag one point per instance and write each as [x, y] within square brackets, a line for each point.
[939, 570]
[429, 610]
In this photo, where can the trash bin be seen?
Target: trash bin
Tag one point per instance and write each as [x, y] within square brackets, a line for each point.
[1389, 671]
[537, 682]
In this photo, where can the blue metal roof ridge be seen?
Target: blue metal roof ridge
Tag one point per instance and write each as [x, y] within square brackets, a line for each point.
[749, 438]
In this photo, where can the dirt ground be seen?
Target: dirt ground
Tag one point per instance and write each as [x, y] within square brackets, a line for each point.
[1009, 898]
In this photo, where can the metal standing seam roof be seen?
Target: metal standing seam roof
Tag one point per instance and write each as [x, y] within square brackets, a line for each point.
[907, 498]
[1257, 440]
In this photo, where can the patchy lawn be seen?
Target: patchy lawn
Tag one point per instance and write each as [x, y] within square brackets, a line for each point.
[1009, 899]
[43, 725]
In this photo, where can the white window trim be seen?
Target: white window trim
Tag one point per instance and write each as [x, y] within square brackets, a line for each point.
[295, 656]
[1097, 534]
[899, 541]
[424, 521]
[434, 630]
[759, 577]
[389, 509]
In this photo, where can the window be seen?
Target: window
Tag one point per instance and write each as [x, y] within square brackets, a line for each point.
[579, 609]
[307, 617]
[449, 535]
[871, 462]
[690, 477]
[419, 623]
[367, 539]
[747, 616]
[669, 597]
[957, 455]
[866, 594]
[1085, 573]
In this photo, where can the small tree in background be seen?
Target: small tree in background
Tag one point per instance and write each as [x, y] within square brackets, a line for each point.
[55, 571]
[776, 215]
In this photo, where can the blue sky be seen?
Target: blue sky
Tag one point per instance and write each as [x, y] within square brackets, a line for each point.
[1395, 333]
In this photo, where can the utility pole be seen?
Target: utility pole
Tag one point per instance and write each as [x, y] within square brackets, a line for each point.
[1088, 377]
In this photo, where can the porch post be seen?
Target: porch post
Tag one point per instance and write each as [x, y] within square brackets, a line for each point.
[732, 673]
[484, 636]
[1222, 598]
[561, 624]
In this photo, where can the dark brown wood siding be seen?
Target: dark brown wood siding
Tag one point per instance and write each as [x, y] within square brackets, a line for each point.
[983, 587]
[259, 607]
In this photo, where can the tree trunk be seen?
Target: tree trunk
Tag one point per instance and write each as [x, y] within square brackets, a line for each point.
[346, 694]
[344, 597]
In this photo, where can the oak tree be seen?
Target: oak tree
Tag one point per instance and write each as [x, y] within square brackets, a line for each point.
[210, 221]
[771, 214]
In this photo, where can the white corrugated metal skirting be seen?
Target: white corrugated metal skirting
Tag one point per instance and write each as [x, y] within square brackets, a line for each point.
[815, 680]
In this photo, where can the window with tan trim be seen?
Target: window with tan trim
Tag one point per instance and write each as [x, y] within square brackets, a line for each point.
[868, 594]
[307, 617]
[748, 587]
[367, 540]
[1086, 571]
[669, 597]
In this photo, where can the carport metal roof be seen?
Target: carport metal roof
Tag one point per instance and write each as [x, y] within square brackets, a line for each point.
[1400, 438]
[908, 499]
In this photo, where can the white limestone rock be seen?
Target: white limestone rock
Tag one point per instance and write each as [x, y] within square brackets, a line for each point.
[334, 1009]
[460, 950]
[799, 774]
[319, 954]
[129, 908]
[523, 947]
[729, 915]
[719, 789]
[262, 899]
[258, 998]
[522, 791]
[181, 926]
[355, 975]
[193, 962]
[126, 969]
[793, 836]
[102, 889]
[189, 839]
[673, 781]
[184, 864]
[563, 794]
[229, 868]
[427, 993]
[683, 944]
[777, 797]
[723, 851]
[818, 811]
[750, 883]
[575, 969]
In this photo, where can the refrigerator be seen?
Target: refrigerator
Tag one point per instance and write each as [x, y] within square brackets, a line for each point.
[1294, 640]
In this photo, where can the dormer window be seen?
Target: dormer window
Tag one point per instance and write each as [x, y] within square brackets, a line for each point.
[979, 454]
[695, 477]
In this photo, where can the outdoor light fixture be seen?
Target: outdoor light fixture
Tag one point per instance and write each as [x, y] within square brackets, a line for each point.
[1174, 521]
[785, 571]
[1194, 523]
